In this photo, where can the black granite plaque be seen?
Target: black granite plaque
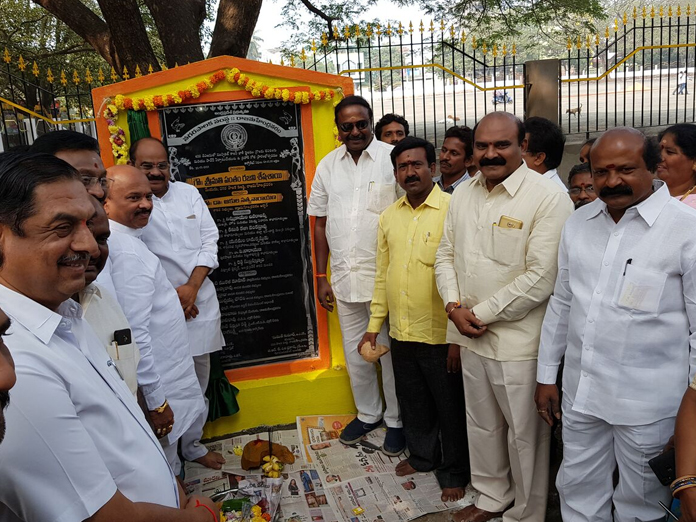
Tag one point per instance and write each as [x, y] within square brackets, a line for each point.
[246, 159]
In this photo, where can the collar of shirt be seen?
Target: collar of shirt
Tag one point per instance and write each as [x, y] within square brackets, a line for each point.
[649, 209]
[118, 227]
[35, 317]
[433, 199]
[167, 195]
[371, 150]
[549, 174]
[454, 185]
[87, 294]
[511, 183]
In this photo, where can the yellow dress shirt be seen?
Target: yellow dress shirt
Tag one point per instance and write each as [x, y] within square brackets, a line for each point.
[505, 274]
[405, 286]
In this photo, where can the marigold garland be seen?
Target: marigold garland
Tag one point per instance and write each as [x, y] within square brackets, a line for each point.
[233, 76]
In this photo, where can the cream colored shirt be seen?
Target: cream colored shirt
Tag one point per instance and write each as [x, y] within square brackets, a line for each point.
[505, 274]
[405, 283]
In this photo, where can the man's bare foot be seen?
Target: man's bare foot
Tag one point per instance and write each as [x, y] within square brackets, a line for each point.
[473, 514]
[403, 468]
[212, 460]
[452, 494]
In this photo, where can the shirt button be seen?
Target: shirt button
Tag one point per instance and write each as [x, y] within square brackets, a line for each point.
[356, 189]
[616, 233]
[598, 291]
[354, 229]
[590, 321]
[403, 292]
[606, 263]
[587, 347]
[584, 374]
[479, 227]
[405, 265]
[415, 219]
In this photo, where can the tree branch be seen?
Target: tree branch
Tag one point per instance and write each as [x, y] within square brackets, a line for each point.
[234, 27]
[321, 14]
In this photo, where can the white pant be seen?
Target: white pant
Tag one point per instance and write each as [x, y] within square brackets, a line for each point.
[354, 318]
[592, 448]
[508, 441]
[191, 447]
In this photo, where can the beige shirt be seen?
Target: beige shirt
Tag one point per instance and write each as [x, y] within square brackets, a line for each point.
[505, 274]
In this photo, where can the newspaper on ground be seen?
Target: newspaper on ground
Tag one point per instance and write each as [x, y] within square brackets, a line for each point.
[318, 429]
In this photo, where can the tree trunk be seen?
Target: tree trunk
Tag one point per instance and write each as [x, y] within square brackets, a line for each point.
[132, 45]
[178, 24]
[234, 27]
[86, 24]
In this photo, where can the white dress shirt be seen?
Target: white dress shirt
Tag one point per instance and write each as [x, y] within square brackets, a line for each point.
[183, 235]
[153, 310]
[75, 434]
[623, 309]
[103, 313]
[352, 196]
[553, 176]
[505, 274]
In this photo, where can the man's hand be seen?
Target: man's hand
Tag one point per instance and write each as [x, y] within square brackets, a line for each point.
[454, 361]
[687, 498]
[367, 338]
[547, 402]
[162, 422]
[187, 297]
[325, 294]
[466, 322]
[195, 504]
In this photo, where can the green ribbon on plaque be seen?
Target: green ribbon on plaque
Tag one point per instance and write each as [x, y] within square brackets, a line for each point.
[222, 396]
[137, 125]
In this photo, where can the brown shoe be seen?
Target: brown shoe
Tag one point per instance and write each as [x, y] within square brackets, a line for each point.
[473, 514]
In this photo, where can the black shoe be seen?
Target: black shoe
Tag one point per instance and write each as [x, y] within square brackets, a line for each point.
[356, 430]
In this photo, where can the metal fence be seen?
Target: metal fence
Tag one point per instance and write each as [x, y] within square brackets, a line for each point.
[639, 74]
[435, 77]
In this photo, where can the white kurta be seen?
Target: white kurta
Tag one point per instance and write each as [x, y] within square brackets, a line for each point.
[553, 176]
[183, 235]
[152, 307]
[75, 434]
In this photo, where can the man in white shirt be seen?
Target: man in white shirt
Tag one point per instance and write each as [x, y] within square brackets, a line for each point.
[623, 313]
[167, 378]
[456, 158]
[102, 311]
[183, 235]
[7, 372]
[77, 445]
[352, 186]
[545, 142]
[495, 268]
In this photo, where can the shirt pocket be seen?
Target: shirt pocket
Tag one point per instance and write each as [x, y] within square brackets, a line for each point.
[379, 197]
[640, 289]
[427, 248]
[192, 233]
[507, 245]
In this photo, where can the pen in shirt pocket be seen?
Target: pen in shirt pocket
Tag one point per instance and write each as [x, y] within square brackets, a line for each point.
[426, 236]
[628, 262]
[369, 187]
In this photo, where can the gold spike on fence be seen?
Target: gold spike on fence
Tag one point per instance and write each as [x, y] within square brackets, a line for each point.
[49, 75]
[100, 76]
[35, 70]
[6, 56]
[88, 76]
[21, 64]
[126, 76]
[63, 79]
[76, 77]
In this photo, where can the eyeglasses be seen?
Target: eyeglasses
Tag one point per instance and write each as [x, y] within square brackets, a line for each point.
[163, 165]
[575, 191]
[89, 181]
[348, 126]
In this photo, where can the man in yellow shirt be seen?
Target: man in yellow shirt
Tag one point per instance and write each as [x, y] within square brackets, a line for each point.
[426, 369]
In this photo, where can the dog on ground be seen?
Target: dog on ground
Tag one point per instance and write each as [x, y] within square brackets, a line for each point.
[575, 111]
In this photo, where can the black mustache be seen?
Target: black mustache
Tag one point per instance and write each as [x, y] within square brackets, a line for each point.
[411, 178]
[485, 162]
[621, 190]
[143, 211]
[4, 399]
[155, 178]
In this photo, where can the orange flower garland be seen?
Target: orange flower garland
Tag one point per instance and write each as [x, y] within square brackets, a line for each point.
[256, 88]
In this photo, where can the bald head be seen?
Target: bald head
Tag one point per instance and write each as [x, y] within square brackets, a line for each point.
[499, 143]
[129, 201]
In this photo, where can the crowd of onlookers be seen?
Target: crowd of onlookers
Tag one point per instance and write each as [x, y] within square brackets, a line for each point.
[502, 302]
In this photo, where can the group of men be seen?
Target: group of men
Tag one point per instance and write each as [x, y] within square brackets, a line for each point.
[113, 320]
[488, 280]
